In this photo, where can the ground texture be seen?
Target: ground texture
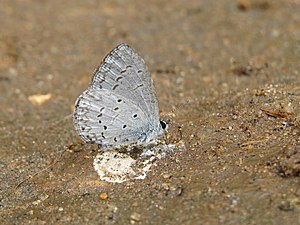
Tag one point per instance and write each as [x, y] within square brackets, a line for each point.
[227, 77]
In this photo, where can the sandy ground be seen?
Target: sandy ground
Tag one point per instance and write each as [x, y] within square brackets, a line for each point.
[226, 75]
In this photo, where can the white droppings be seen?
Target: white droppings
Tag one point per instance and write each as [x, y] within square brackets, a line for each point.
[117, 167]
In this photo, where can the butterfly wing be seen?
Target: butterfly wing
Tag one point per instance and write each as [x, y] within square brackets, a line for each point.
[124, 72]
[120, 105]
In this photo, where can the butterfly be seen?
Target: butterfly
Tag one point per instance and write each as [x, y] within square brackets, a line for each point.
[120, 106]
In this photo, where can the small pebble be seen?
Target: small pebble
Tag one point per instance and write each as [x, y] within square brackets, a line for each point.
[286, 206]
[135, 216]
[165, 186]
[103, 196]
[39, 99]
[167, 176]
[178, 191]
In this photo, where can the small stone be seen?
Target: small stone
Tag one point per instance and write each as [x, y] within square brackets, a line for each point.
[233, 200]
[167, 176]
[103, 196]
[178, 191]
[243, 5]
[286, 206]
[135, 216]
[36, 202]
[39, 99]
[135, 204]
[165, 186]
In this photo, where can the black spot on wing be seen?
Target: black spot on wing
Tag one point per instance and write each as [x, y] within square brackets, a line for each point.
[114, 87]
[119, 78]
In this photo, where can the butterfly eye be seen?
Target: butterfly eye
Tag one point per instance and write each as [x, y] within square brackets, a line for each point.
[163, 124]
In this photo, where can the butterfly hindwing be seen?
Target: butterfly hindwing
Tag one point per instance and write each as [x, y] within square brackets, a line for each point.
[109, 123]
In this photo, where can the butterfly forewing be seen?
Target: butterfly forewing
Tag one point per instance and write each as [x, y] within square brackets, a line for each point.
[124, 72]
